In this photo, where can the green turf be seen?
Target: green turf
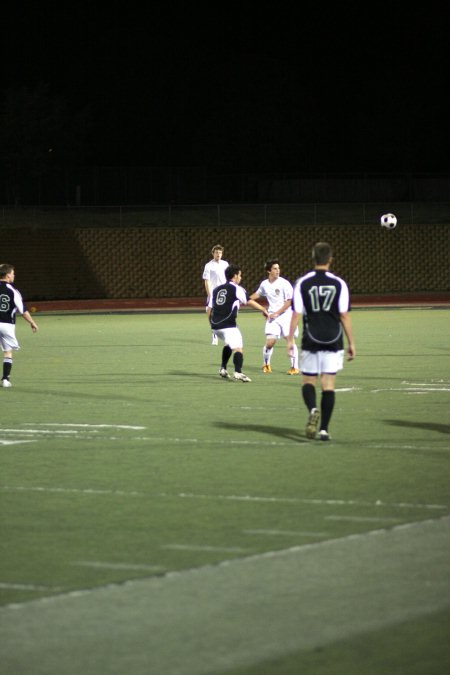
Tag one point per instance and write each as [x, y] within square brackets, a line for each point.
[125, 456]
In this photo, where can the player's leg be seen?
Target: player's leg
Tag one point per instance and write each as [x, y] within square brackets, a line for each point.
[327, 381]
[267, 353]
[7, 367]
[310, 371]
[331, 363]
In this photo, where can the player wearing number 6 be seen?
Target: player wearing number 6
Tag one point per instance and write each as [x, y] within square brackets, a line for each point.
[323, 301]
[11, 303]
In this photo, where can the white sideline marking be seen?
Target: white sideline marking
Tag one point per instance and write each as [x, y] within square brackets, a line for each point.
[4, 442]
[29, 587]
[287, 533]
[340, 502]
[89, 426]
[363, 519]
[245, 498]
[117, 566]
[193, 547]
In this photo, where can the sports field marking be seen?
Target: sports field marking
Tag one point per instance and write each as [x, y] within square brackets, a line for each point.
[88, 426]
[237, 613]
[5, 442]
[116, 566]
[214, 549]
[287, 533]
[245, 498]
[29, 587]
[363, 519]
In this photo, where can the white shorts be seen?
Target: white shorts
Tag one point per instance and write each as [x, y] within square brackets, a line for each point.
[316, 363]
[8, 340]
[280, 326]
[231, 336]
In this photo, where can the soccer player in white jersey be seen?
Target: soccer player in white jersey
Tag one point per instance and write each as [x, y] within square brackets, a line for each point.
[214, 275]
[278, 293]
[11, 303]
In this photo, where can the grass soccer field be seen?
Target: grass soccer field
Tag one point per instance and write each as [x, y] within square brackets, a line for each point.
[157, 519]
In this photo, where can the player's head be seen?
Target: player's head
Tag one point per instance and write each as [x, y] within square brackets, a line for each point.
[322, 253]
[270, 263]
[6, 270]
[217, 251]
[232, 271]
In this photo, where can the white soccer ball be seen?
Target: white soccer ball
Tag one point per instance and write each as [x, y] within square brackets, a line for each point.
[389, 221]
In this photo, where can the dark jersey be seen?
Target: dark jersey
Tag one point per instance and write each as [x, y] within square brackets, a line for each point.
[10, 303]
[321, 297]
[225, 302]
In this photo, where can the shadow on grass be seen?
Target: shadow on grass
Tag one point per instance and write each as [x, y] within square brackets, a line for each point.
[278, 432]
[429, 426]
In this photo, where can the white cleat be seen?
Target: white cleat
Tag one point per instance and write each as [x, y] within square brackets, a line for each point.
[223, 372]
[6, 384]
[242, 377]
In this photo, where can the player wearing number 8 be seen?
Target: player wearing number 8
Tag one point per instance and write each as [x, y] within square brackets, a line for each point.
[322, 299]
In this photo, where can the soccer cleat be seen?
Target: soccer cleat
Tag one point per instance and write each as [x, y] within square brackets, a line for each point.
[241, 377]
[293, 371]
[215, 339]
[324, 435]
[223, 372]
[313, 423]
[267, 368]
[6, 384]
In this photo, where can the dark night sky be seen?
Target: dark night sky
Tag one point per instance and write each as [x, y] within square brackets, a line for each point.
[276, 88]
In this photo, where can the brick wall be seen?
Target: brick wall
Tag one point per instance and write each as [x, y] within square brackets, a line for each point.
[168, 262]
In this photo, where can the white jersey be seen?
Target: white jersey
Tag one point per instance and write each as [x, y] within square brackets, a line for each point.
[276, 293]
[214, 272]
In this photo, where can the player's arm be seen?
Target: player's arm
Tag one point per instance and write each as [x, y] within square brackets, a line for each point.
[256, 305]
[27, 316]
[346, 321]
[208, 288]
[290, 340]
[282, 309]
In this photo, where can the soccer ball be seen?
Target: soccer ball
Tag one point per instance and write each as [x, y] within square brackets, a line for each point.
[389, 221]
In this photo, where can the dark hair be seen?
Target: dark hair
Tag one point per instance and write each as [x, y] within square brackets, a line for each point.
[5, 269]
[231, 271]
[270, 263]
[322, 253]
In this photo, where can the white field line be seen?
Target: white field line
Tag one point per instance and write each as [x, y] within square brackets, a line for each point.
[286, 533]
[408, 390]
[240, 498]
[97, 564]
[28, 587]
[88, 426]
[206, 548]
[363, 519]
[5, 442]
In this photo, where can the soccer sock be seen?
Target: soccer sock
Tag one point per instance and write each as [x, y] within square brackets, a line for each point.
[267, 354]
[309, 396]
[326, 408]
[7, 365]
[226, 353]
[238, 360]
[294, 357]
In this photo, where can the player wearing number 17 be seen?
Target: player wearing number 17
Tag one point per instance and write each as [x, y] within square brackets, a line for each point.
[322, 299]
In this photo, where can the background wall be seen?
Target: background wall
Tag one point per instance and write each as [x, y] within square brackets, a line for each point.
[164, 262]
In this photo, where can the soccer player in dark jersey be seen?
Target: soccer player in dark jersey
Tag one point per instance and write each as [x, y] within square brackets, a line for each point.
[323, 301]
[11, 303]
[223, 308]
